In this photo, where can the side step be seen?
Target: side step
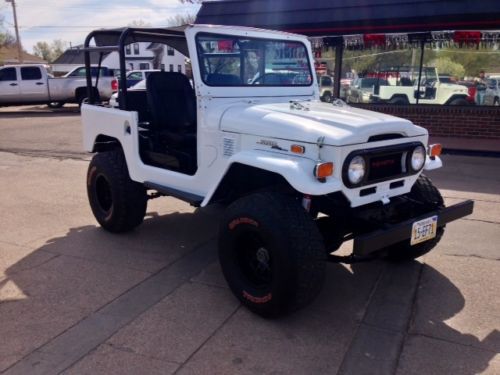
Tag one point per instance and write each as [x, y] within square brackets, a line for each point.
[192, 199]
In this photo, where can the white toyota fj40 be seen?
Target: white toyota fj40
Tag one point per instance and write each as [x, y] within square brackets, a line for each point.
[400, 86]
[299, 177]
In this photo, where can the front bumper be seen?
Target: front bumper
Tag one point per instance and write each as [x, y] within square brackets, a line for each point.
[369, 243]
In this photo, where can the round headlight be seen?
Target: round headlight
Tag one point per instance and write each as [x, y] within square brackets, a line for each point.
[418, 158]
[356, 170]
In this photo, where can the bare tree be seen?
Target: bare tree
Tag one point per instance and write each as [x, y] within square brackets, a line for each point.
[6, 38]
[50, 52]
[181, 19]
[139, 23]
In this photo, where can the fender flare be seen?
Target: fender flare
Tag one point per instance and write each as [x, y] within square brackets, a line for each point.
[297, 171]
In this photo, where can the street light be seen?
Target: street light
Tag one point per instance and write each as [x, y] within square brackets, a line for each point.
[18, 38]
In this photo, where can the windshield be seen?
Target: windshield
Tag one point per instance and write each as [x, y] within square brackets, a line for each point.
[240, 61]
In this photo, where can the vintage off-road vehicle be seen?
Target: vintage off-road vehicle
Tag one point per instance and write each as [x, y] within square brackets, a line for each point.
[399, 85]
[298, 176]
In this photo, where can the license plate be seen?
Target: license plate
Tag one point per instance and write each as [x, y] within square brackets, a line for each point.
[424, 230]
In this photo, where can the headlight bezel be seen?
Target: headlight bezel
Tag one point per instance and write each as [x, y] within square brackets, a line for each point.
[406, 150]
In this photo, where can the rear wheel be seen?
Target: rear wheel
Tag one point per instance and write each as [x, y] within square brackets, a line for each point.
[426, 193]
[56, 105]
[118, 203]
[271, 253]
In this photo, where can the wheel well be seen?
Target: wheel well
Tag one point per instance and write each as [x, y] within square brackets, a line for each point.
[105, 143]
[456, 96]
[82, 92]
[242, 179]
[400, 96]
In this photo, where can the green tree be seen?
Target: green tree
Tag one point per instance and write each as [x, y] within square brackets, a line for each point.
[444, 65]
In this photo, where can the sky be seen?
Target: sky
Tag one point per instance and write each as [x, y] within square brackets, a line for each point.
[72, 20]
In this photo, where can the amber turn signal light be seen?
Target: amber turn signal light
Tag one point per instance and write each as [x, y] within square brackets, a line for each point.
[323, 170]
[435, 150]
[297, 149]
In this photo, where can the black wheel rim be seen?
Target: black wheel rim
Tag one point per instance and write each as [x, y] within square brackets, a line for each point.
[103, 193]
[254, 260]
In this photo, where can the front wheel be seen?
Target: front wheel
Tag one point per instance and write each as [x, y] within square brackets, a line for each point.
[118, 203]
[425, 193]
[271, 253]
[459, 101]
[327, 97]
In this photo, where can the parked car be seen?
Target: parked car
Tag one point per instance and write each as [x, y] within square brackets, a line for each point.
[113, 101]
[362, 89]
[31, 84]
[325, 88]
[492, 95]
[403, 85]
[136, 76]
[472, 88]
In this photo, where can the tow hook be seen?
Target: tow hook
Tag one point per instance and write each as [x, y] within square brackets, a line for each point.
[306, 202]
[385, 200]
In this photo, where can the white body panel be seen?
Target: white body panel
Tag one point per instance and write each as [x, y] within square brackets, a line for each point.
[256, 126]
[444, 91]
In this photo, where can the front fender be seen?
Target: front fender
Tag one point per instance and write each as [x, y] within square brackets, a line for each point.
[297, 171]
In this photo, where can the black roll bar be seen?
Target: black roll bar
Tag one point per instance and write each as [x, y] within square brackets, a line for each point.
[122, 87]
[121, 37]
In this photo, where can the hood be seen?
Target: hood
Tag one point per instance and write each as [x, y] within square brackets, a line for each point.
[308, 121]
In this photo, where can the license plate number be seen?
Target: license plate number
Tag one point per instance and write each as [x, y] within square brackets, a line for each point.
[424, 230]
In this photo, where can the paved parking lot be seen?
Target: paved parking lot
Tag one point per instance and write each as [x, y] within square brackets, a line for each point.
[75, 299]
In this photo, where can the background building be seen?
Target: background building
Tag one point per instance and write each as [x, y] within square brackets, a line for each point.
[140, 56]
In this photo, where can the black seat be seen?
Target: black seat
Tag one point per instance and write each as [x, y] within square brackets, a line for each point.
[172, 106]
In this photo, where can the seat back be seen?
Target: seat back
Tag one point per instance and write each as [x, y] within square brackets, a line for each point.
[137, 101]
[171, 101]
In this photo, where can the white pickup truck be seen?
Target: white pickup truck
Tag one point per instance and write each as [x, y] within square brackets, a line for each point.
[31, 84]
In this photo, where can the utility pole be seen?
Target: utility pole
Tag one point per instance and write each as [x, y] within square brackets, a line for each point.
[18, 38]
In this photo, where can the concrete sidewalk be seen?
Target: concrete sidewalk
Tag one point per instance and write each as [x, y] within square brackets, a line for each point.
[75, 299]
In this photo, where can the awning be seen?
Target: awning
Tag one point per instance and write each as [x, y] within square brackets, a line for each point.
[335, 17]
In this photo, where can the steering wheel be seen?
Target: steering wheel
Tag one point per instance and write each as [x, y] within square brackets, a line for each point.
[261, 79]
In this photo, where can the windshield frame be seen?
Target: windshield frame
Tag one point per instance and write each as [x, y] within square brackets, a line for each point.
[232, 36]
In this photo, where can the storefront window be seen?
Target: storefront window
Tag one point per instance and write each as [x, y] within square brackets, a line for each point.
[459, 68]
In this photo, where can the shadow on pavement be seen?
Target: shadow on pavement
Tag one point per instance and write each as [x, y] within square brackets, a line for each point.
[73, 276]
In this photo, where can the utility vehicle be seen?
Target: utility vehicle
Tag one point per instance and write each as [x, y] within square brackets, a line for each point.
[400, 86]
[298, 177]
[32, 84]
